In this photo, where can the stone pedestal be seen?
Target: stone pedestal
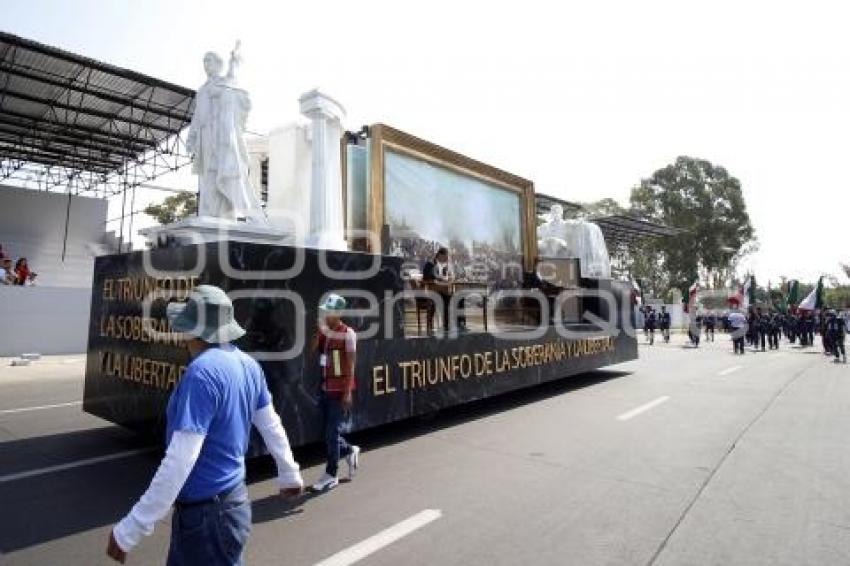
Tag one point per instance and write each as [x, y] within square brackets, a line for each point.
[326, 229]
[203, 229]
[288, 205]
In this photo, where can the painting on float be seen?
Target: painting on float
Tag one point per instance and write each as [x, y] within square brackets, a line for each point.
[429, 206]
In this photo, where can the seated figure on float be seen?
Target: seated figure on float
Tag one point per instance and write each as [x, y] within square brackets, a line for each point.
[553, 234]
[559, 238]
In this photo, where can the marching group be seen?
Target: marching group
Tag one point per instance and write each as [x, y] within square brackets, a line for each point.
[758, 329]
[662, 321]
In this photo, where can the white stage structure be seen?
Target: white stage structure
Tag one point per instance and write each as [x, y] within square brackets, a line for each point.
[73, 132]
[73, 128]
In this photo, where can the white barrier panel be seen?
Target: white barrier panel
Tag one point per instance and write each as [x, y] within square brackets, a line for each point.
[32, 225]
[47, 320]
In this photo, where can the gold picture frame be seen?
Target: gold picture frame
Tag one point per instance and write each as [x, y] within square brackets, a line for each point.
[385, 137]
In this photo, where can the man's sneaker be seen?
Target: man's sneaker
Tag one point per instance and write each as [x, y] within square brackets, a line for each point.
[353, 461]
[325, 482]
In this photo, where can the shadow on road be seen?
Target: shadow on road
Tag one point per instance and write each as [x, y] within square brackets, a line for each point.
[263, 468]
[46, 507]
[62, 503]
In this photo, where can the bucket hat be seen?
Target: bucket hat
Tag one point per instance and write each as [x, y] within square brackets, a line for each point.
[332, 303]
[208, 315]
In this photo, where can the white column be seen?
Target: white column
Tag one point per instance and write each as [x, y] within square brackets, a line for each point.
[326, 228]
[290, 153]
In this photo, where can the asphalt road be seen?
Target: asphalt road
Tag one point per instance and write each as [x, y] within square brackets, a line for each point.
[682, 457]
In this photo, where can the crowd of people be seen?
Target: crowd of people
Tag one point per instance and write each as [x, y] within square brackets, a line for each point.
[763, 330]
[758, 328]
[18, 273]
[655, 320]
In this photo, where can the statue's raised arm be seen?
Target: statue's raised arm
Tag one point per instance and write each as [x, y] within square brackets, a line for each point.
[235, 61]
[216, 139]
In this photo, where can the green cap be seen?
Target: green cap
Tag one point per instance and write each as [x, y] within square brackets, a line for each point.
[333, 302]
[208, 315]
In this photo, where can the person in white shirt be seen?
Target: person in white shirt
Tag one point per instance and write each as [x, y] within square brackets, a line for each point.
[209, 417]
[738, 327]
[7, 275]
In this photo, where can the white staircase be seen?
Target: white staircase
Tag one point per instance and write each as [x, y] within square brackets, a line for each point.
[44, 257]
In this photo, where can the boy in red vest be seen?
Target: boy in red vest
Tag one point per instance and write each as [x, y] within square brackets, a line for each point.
[336, 344]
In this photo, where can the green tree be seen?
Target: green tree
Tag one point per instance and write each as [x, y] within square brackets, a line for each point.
[642, 261]
[174, 207]
[837, 297]
[707, 203]
[603, 207]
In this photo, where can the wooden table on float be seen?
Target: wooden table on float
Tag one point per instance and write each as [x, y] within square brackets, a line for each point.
[465, 287]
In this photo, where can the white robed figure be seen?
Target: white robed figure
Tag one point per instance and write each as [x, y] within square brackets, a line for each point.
[558, 238]
[553, 234]
[218, 146]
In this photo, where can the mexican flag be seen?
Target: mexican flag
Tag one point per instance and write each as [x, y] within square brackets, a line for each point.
[750, 291]
[746, 294]
[779, 301]
[793, 292]
[637, 295]
[692, 296]
[813, 300]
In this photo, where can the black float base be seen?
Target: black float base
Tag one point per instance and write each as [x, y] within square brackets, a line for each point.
[276, 289]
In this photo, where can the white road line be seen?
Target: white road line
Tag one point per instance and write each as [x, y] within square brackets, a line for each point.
[39, 408]
[643, 408]
[76, 464]
[384, 538]
[727, 371]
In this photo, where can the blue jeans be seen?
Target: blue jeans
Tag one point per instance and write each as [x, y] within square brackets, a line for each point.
[211, 533]
[334, 418]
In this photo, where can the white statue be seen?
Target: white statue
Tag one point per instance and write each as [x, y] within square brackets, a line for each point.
[216, 140]
[559, 238]
[553, 234]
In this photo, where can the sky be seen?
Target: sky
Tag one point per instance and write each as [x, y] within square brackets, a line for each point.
[584, 98]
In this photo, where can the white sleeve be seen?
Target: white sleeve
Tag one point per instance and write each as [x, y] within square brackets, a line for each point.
[350, 340]
[176, 465]
[268, 423]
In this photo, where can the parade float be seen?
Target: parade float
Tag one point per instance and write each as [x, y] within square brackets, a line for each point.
[536, 293]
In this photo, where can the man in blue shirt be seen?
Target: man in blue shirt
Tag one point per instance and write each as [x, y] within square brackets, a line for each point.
[209, 418]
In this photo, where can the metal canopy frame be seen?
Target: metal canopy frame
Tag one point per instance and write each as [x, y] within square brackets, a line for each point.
[621, 229]
[625, 234]
[544, 202]
[78, 125]
[618, 229]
